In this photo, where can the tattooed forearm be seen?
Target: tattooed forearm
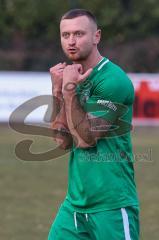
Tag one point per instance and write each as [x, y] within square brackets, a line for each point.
[83, 125]
[59, 122]
[78, 123]
[57, 104]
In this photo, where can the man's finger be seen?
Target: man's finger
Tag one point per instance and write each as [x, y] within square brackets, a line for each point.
[59, 65]
[86, 74]
[64, 64]
[79, 68]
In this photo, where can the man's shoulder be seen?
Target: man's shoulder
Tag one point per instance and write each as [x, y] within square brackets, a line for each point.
[112, 80]
[114, 74]
[107, 68]
[113, 69]
[109, 73]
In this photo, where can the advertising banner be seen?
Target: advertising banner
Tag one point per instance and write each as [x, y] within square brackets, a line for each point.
[146, 105]
[18, 87]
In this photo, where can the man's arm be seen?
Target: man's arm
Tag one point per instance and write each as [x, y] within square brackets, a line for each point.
[85, 128]
[79, 122]
[59, 121]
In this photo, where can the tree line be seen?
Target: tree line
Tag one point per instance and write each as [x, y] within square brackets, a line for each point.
[29, 32]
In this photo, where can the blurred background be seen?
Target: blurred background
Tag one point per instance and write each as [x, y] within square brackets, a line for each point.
[29, 32]
[29, 45]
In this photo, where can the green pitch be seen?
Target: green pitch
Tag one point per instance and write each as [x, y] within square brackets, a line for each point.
[31, 191]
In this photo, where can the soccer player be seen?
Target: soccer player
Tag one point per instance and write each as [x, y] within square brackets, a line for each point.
[93, 101]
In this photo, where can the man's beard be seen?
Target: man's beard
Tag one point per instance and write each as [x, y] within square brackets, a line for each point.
[77, 57]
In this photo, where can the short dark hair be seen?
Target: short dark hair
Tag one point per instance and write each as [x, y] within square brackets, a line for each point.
[73, 13]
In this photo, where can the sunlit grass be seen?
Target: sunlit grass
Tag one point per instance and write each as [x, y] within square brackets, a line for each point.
[32, 191]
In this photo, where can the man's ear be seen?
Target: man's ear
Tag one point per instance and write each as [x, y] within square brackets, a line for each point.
[97, 36]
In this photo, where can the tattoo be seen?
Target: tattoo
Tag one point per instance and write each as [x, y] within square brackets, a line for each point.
[57, 105]
[99, 124]
[62, 131]
[80, 123]
[65, 135]
[81, 117]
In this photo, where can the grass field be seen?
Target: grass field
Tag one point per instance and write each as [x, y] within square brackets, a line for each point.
[30, 192]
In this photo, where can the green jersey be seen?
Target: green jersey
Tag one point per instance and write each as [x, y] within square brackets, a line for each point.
[101, 177]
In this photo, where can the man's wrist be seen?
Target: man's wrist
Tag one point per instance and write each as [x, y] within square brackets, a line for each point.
[69, 90]
[56, 91]
[69, 95]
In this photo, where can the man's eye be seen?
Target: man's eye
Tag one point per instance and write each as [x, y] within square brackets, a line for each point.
[79, 34]
[65, 35]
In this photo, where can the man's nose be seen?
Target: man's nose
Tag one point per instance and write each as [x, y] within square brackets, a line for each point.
[72, 40]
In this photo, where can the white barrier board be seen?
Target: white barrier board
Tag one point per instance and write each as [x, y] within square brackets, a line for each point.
[19, 87]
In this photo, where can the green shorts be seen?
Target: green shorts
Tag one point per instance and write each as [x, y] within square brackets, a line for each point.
[117, 224]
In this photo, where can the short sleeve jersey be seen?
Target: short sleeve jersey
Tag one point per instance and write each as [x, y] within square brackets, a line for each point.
[101, 177]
